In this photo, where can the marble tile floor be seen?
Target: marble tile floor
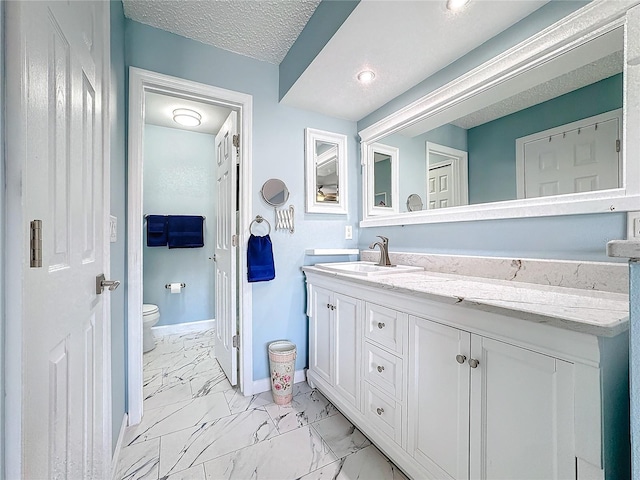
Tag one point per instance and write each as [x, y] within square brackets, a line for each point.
[196, 426]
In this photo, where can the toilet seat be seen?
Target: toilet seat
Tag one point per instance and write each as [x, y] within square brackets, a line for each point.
[149, 309]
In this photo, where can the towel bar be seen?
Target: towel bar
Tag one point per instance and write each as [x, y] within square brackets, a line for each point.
[259, 219]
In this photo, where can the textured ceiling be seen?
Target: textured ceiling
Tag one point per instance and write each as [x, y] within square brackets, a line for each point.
[264, 30]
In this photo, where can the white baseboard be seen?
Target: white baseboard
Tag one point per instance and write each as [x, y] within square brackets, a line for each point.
[264, 384]
[178, 328]
[116, 452]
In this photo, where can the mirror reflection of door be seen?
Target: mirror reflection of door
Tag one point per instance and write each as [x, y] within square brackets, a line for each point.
[382, 180]
[327, 181]
[447, 177]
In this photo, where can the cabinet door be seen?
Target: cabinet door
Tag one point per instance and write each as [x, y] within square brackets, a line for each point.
[438, 398]
[320, 333]
[521, 414]
[347, 321]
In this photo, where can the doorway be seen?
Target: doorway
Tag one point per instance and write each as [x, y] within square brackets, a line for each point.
[143, 83]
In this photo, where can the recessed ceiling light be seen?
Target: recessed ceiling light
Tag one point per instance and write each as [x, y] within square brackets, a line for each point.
[454, 5]
[186, 117]
[366, 76]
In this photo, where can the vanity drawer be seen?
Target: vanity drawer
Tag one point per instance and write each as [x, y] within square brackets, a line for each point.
[383, 412]
[384, 370]
[386, 327]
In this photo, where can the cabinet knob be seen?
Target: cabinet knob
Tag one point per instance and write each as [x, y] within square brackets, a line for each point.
[328, 305]
[461, 359]
[380, 368]
[380, 411]
[473, 363]
[333, 307]
[381, 325]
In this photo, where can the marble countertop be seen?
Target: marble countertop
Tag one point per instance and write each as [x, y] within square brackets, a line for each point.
[588, 311]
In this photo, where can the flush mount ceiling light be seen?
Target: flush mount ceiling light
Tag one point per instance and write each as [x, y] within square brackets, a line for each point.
[366, 76]
[455, 5]
[186, 117]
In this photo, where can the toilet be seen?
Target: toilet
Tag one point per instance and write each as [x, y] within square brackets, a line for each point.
[150, 316]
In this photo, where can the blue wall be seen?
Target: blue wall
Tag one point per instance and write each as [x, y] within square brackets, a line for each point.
[492, 146]
[179, 179]
[118, 209]
[278, 151]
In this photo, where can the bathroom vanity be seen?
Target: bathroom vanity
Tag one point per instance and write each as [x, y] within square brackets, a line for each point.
[457, 376]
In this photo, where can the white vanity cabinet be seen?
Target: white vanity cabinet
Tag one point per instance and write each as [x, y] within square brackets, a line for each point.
[498, 410]
[451, 392]
[334, 341]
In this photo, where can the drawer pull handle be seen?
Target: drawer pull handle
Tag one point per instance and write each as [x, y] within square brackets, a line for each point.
[379, 411]
[381, 325]
[461, 359]
[380, 368]
[473, 363]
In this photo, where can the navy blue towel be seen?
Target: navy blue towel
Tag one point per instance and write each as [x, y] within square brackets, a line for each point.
[156, 231]
[260, 267]
[185, 231]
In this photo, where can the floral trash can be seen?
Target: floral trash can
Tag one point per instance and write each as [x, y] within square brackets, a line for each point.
[282, 359]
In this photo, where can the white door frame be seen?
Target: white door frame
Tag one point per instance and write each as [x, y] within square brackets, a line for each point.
[141, 81]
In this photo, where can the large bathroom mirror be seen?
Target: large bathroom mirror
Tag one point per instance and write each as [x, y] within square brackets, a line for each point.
[325, 172]
[536, 131]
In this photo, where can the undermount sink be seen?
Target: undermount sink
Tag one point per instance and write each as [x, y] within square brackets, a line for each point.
[367, 269]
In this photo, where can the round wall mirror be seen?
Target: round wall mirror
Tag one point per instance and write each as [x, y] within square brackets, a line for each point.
[414, 202]
[275, 192]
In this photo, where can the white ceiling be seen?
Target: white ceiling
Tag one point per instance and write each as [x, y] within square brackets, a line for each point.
[403, 41]
[158, 110]
[263, 29]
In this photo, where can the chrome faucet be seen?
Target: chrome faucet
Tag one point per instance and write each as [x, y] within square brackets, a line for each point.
[384, 251]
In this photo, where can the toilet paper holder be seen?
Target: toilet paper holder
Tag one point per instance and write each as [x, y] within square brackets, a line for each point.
[168, 285]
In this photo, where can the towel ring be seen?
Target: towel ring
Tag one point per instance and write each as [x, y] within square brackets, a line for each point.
[259, 219]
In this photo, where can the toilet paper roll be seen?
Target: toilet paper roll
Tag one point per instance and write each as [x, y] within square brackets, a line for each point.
[176, 288]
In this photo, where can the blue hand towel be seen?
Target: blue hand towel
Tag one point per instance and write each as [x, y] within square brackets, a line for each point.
[156, 231]
[260, 267]
[185, 231]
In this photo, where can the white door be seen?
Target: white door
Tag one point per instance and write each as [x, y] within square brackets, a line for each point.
[347, 323]
[56, 65]
[523, 395]
[583, 159]
[440, 186]
[225, 289]
[438, 402]
[321, 332]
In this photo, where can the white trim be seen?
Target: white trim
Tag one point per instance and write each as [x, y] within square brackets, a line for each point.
[332, 251]
[459, 161]
[591, 21]
[264, 384]
[551, 132]
[116, 453]
[179, 328]
[311, 135]
[141, 81]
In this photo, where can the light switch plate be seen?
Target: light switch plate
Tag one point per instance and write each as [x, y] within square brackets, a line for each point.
[348, 232]
[633, 225]
[113, 229]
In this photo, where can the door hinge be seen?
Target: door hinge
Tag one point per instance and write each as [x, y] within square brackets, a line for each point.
[618, 146]
[235, 341]
[35, 254]
[234, 240]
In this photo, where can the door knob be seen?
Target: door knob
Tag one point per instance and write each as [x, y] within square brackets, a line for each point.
[101, 283]
[461, 359]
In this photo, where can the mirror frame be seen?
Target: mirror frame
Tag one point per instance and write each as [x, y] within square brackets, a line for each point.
[587, 23]
[311, 204]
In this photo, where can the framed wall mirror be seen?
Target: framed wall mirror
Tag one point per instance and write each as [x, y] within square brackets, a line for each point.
[382, 195]
[546, 128]
[325, 172]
